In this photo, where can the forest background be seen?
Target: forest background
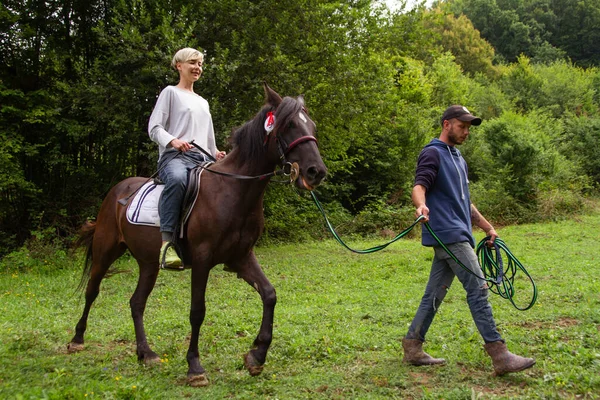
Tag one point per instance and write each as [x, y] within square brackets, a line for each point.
[79, 79]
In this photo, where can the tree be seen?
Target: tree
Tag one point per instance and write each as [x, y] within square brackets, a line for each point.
[544, 30]
[458, 36]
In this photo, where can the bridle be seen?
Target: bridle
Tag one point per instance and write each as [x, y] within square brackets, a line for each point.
[283, 148]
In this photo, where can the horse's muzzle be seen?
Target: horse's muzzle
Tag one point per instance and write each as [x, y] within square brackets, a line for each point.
[312, 177]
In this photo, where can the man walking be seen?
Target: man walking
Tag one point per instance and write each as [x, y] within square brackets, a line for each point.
[441, 194]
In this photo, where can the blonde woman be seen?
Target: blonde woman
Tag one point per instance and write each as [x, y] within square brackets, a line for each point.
[180, 116]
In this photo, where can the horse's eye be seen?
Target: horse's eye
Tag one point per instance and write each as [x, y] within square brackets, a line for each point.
[291, 125]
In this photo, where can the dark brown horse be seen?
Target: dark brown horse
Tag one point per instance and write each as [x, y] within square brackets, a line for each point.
[223, 227]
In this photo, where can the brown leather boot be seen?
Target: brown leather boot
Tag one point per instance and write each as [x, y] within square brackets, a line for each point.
[504, 361]
[414, 354]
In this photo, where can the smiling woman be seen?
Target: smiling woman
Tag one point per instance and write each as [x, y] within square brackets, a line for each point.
[180, 116]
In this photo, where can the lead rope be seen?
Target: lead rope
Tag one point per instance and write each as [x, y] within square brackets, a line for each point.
[500, 281]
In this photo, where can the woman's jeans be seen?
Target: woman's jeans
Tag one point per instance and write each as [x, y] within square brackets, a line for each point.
[443, 270]
[174, 170]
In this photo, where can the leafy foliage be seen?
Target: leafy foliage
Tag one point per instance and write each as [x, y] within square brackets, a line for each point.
[545, 30]
[78, 80]
[519, 155]
[579, 140]
[458, 36]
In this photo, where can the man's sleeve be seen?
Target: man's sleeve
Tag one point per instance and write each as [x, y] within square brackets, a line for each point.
[428, 166]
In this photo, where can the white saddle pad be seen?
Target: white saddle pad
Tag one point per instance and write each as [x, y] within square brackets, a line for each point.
[143, 210]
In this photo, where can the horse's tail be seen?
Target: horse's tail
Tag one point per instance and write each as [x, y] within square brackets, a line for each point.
[86, 239]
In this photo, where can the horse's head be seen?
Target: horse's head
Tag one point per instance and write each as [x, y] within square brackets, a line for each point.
[291, 136]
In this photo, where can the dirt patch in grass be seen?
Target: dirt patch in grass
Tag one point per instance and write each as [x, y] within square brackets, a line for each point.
[566, 322]
[421, 378]
[500, 389]
[562, 322]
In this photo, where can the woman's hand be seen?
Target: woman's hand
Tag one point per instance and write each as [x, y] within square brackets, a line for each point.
[180, 145]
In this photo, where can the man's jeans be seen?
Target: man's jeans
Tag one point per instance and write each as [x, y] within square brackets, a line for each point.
[443, 270]
[175, 177]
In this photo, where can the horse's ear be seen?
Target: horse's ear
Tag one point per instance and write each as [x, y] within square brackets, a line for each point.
[272, 98]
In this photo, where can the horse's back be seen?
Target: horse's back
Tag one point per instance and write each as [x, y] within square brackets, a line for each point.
[127, 186]
[114, 205]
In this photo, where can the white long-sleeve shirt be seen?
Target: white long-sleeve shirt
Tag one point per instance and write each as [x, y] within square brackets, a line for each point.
[183, 115]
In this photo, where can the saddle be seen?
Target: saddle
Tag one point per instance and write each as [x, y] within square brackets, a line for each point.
[143, 209]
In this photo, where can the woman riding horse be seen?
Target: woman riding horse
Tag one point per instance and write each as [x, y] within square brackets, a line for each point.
[180, 116]
[223, 227]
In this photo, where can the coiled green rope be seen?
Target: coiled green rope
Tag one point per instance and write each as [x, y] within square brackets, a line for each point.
[492, 265]
[500, 279]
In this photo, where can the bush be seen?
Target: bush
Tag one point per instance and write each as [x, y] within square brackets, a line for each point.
[36, 257]
[514, 166]
[292, 216]
[297, 218]
[558, 203]
[493, 201]
[579, 143]
[382, 219]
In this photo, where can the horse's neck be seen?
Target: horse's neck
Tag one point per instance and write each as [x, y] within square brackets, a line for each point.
[234, 164]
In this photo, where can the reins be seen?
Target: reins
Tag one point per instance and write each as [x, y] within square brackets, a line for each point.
[287, 169]
[500, 278]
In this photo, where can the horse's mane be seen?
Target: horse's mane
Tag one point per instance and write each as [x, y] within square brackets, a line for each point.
[249, 138]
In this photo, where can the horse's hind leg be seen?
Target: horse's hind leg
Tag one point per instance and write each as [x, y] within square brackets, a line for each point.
[146, 281]
[103, 257]
[251, 272]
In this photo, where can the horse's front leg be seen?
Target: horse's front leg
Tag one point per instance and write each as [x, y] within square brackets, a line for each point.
[250, 271]
[196, 375]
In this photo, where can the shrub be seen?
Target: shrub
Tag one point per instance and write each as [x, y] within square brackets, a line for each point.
[382, 219]
[493, 201]
[513, 162]
[38, 257]
[558, 203]
[579, 143]
[292, 216]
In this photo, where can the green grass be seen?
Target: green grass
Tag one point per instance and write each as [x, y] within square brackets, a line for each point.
[339, 322]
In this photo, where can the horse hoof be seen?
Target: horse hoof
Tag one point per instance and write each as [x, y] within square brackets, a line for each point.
[152, 360]
[197, 380]
[74, 347]
[253, 366]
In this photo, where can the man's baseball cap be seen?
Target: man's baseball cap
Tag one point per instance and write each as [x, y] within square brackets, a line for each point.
[461, 113]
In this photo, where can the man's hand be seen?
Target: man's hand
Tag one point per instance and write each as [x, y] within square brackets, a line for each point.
[221, 155]
[493, 235]
[424, 211]
[480, 221]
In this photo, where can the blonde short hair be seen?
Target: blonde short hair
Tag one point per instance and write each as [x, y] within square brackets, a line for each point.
[186, 54]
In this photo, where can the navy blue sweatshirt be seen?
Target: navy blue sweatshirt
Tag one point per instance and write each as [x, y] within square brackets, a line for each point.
[442, 170]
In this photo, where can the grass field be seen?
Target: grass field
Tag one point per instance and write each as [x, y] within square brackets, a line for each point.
[339, 322]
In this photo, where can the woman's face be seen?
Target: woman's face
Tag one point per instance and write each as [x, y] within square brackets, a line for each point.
[190, 70]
